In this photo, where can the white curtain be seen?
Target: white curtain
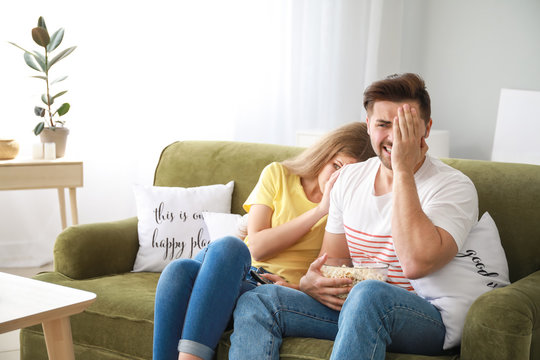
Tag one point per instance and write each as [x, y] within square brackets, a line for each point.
[309, 70]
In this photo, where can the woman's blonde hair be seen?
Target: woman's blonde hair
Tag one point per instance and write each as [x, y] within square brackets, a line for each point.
[349, 140]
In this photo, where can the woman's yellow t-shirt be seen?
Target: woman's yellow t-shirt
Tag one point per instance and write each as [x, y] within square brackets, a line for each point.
[284, 194]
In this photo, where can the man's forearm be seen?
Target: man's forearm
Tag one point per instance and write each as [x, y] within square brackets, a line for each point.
[417, 241]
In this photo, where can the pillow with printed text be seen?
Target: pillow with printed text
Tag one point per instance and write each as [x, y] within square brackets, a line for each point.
[171, 224]
[479, 266]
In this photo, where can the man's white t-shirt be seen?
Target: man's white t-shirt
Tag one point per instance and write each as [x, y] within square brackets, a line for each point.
[447, 197]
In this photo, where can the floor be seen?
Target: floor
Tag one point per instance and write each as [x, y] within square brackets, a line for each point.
[9, 342]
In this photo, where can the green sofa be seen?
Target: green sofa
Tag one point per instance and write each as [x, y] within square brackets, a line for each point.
[502, 324]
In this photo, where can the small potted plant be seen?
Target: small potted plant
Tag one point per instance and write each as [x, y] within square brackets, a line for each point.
[50, 128]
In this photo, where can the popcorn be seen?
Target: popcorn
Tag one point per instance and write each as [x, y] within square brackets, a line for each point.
[356, 274]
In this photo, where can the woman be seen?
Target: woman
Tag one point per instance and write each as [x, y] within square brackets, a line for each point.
[287, 215]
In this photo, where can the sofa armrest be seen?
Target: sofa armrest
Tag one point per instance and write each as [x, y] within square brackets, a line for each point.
[91, 250]
[500, 323]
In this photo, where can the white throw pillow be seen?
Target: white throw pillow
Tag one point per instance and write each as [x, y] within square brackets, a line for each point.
[221, 224]
[171, 224]
[479, 267]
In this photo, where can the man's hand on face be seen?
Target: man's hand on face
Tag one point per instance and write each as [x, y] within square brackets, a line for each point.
[409, 145]
[323, 289]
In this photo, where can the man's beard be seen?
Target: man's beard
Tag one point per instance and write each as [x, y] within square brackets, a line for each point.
[386, 161]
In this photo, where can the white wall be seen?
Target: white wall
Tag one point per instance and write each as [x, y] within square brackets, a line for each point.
[467, 51]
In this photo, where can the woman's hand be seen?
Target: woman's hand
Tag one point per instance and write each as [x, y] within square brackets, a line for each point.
[323, 289]
[324, 205]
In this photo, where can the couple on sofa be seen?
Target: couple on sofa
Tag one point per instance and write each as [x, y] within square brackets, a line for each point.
[401, 207]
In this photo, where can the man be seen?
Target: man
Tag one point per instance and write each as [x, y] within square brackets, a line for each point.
[402, 208]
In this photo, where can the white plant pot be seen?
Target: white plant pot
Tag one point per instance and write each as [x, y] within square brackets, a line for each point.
[57, 135]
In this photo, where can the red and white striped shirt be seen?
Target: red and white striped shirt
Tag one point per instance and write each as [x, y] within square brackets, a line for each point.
[378, 248]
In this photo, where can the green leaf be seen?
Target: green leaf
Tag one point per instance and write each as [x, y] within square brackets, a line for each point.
[59, 94]
[40, 59]
[29, 59]
[39, 111]
[41, 36]
[39, 128]
[40, 77]
[41, 22]
[38, 56]
[59, 79]
[62, 110]
[56, 39]
[44, 99]
[62, 55]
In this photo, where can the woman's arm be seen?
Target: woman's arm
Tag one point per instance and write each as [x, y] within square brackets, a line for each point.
[266, 241]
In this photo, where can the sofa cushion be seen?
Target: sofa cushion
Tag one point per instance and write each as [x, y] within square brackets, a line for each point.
[121, 318]
[171, 224]
[220, 225]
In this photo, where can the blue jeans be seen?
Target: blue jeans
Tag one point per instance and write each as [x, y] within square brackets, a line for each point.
[195, 299]
[375, 317]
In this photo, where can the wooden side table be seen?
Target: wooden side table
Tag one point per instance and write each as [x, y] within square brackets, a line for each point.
[45, 174]
[25, 302]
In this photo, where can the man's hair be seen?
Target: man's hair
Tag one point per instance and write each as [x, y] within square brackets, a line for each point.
[398, 88]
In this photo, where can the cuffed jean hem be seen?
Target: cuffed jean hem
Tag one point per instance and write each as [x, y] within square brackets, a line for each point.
[195, 348]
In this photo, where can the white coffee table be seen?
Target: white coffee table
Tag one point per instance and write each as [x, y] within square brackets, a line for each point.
[25, 302]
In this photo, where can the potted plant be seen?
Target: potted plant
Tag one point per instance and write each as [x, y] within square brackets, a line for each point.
[50, 128]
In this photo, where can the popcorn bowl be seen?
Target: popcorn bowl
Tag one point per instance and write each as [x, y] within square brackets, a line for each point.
[355, 270]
